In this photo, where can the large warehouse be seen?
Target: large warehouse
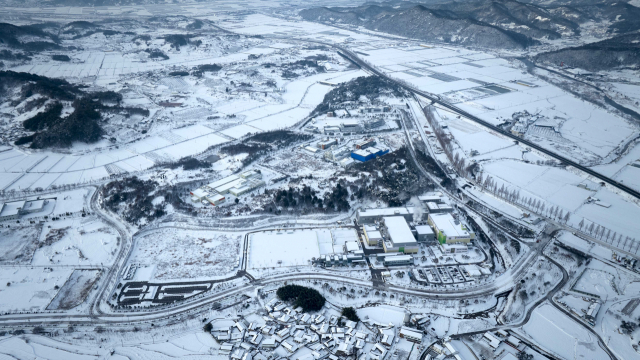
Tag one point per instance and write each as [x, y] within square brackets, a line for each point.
[368, 153]
[399, 237]
[234, 185]
[369, 216]
[449, 230]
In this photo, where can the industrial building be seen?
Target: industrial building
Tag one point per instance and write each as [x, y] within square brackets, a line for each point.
[402, 260]
[412, 335]
[236, 185]
[350, 126]
[425, 233]
[592, 312]
[13, 210]
[215, 199]
[368, 153]
[449, 230]
[336, 153]
[327, 143]
[366, 144]
[374, 123]
[454, 248]
[330, 130]
[398, 235]
[436, 198]
[372, 235]
[435, 208]
[369, 216]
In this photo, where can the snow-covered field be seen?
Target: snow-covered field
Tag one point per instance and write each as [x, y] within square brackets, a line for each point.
[552, 329]
[30, 289]
[185, 254]
[283, 248]
[75, 290]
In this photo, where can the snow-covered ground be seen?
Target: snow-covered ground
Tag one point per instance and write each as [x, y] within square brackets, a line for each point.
[185, 254]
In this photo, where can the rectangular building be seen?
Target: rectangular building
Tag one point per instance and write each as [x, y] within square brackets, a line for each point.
[454, 248]
[327, 143]
[425, 233]
[431, 198]
[366, 144]
[398, 235]
[412, 335]
[371, 235]
[400, 260]
[369, 216]
[33, 206]
[212, 186]
[368, 153]
[350, 126]
[11, 211]
[449, 230]
[198, 195]
[215, 199]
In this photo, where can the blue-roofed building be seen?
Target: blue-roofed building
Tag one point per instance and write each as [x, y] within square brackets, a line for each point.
[368, 153]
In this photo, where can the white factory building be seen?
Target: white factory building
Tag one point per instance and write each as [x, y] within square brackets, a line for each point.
[13, 210]
[235, 185]
[399, 237]
[369, 216]
[449, 230]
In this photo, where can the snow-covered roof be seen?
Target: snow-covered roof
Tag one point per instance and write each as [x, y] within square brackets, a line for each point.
[352, 246]
[386, 211]
[424, 229]
[12, 208]
[222, 181]
[448, 226]
[399, 230]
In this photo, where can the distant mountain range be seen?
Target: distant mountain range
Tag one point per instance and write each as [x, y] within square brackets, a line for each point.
[503, 24]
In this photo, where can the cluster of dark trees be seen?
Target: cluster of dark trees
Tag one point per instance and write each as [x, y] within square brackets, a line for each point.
[430, 164]
[310, 62]
[337, 199]
[80, 125]
[157, 54]
[350, 313]
[10, 36]
[370, 86]
[399, 182]
[189, 163]
[306, 298]
[179, 73]
[197, 24]
[262, 143]
[31, 84]
[133, 194]
[52, 130]
[201, 69]
[13, 56]
[177, 40]
[133, 199]
[627, 327]
[306, 198]
[209, 67]
[293, 197]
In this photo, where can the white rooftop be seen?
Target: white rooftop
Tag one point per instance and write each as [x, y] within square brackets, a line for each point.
[12, 208]
[399, 230]
[386, 211]
[446, 224]
[424, 229]
[223, 181]
[352, 246]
